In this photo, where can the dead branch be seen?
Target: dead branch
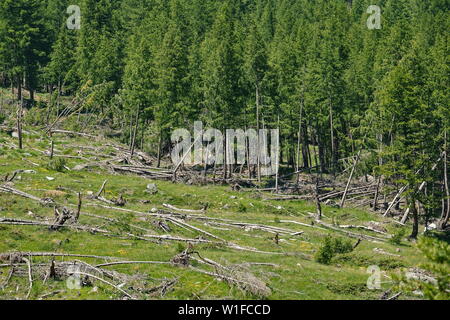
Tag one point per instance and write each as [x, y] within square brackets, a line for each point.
[107, 282]
[169, 206]
[30, 277]
[362, 227]
[18, 222]
[73, 133]
[130, 262]
[13, 256]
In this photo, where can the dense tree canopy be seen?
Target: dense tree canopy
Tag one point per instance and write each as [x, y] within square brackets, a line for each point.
[311, 68]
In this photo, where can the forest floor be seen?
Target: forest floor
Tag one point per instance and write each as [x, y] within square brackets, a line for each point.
[246, 247]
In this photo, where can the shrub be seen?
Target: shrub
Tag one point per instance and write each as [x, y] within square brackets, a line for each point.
[325, 252]
[342, 246]
[57, 164]
[330, 247]
[242, 208]
[397, 237]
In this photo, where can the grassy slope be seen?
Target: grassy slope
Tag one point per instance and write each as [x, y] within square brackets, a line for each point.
[295, 278]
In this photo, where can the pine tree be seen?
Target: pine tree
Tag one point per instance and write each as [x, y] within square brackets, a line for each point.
[23, 42]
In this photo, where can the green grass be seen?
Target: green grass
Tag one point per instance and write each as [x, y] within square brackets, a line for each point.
[298, 276]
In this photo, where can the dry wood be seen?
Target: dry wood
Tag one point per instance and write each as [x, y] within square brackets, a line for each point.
[18, 222]
[403, 189]
[130, 262]
[378, 250]
[30, 277]
[169, 206]
[102, 189]
[344, 196]
[107, 282]
[302, 224]
[13, 255]
[350, 234]
[167, 237]
[73, 133]
[362, 227]
[8, 189]
[316, 196]
[77, 215]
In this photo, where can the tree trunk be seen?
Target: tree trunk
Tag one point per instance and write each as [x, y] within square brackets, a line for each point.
[377, 193]
[19, 124]
[445, 212]
[133, 141]
[257, 132]
[277, 162]
[317, 198]
[415, 215]
[19, 88]
[159, 149]
[344, 196]
[297, 164]
[333, 147]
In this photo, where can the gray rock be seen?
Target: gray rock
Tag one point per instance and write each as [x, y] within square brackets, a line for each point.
[152, 188]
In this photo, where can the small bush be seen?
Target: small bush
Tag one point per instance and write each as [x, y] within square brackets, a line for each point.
[325, 253]
[364, 260]
[242, 208]
[330, 247]
[57, 164]
[397, 237]
[180, 248]
[342, 246]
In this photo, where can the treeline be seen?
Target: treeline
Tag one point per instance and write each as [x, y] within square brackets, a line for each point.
[311, 68]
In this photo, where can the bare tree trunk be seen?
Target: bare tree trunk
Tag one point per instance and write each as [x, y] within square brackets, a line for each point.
[257, 132]
[344, 196]
[333, 147]
[415, 214]
[380, 163]
[205, 165]
[317, 198]
[133, 141]
[225, 158]
[297, 166]
[19, 88]
[277, 164]
[377, 193]
[159, 149]
[19, 124]
[307, 152]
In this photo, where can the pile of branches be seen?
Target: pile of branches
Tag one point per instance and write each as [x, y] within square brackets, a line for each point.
[79, 274]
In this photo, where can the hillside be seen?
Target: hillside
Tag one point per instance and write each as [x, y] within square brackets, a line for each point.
[224, 149]
[268, 245]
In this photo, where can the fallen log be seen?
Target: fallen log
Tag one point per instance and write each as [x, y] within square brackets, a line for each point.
[8, 221]
[348, 233]
[73, 133]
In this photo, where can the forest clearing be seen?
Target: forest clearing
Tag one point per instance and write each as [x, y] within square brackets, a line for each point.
[224, 150]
